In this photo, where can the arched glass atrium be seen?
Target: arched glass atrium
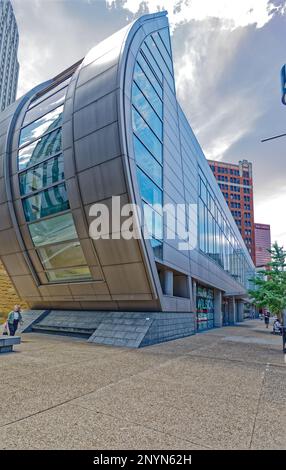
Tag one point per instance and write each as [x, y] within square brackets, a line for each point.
[43, 190]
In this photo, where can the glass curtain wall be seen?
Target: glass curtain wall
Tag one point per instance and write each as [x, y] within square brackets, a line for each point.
[153, 67]
[43, 190]
[216, 237]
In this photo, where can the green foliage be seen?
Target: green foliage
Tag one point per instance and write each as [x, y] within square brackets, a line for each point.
[270, 284]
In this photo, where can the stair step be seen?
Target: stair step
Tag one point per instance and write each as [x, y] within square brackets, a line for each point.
[82, 332]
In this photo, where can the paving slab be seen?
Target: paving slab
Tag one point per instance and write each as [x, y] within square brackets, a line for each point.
[222, 389]
[74, 427]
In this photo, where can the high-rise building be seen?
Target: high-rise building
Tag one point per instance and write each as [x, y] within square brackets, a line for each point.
[9, 70]
[111, 126]
[9, 65]
[236, 184]
[262, 244]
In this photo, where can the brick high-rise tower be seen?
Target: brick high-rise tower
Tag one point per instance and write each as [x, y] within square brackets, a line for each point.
[263, 244]
[236, 184]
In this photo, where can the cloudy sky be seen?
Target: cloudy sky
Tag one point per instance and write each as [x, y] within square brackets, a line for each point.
[227, 55]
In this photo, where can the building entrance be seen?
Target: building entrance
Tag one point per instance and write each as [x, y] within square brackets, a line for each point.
[205, 308]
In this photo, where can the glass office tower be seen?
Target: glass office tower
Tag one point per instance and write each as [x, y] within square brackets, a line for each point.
[9, 66]
[111, 126]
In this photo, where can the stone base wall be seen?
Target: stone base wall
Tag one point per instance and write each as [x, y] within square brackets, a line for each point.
[128, 329]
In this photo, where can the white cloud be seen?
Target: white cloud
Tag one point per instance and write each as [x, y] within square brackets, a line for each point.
[217, 106]
[238, 13]
[271, 211]
[213, 31]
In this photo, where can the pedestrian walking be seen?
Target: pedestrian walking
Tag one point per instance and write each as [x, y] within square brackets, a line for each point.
[266, 319]
[14, 318]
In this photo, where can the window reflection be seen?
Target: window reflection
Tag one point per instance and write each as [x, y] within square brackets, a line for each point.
[155, 52]
[41, 126]
[147, 162]
[216, 237]
[54, 230]
[69, 274]
[40, 97]
[151, 76]
[145, 134]
[45, 203]
[154, 222]
[148, 90]
[55, 237]
[162, 50]
[62, 255]
[146, 111]
[164, 34]
[155, 67]
[149, 191]
[42, 175]
[45, 106]
[147, 94]
[40, 149]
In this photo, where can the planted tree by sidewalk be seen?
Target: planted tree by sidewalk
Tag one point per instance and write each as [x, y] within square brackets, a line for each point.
[269, 286]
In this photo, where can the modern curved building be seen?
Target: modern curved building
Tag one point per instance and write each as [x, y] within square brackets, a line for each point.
[111, 126]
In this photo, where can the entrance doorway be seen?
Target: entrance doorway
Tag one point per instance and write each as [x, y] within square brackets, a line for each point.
[205, 307]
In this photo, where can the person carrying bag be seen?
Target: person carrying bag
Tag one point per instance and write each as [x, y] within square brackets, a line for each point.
[14, 318]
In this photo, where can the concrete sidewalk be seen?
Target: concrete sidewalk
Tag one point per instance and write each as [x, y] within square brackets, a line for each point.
[222, 389]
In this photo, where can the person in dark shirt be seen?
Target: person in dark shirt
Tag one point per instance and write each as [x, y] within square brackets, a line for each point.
[14, 318]
[266, 319]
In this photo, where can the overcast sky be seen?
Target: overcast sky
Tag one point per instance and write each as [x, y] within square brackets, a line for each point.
[227, 55]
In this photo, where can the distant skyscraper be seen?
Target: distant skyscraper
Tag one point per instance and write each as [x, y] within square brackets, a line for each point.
[236, 184]
[9, 65]
[262, 244]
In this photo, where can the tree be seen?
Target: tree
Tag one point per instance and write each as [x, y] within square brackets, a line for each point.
[270, 284]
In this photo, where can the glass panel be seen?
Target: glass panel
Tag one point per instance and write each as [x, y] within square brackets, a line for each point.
[62, 255]
[164, 33]
[46, 174]
[41, 126]
[145, 67]
[148, 90]
[203, 192]
[69, 274]
[147, 162]
[159, 60]
[43, 148]
[152, 62]
[52, 91]
[157, 248]
[146, 111]
[154, 222]
[202, 232]
[147, 136]
[53, 230]
[149, 191]
[167, 59]
[46, 203]
[45, 106]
